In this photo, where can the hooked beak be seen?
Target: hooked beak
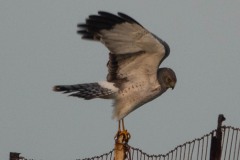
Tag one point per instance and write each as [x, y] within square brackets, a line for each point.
[172, 85]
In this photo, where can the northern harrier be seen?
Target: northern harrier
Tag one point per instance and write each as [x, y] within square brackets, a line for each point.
[133, 75]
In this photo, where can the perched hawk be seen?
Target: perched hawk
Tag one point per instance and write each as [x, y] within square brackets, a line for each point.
[135, 54]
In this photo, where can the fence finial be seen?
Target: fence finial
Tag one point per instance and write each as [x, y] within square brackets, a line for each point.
[221, 118]
[15, 156]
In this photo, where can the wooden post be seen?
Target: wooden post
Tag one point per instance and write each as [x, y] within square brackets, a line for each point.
[15, 156]
[216, 143]
[121, 149]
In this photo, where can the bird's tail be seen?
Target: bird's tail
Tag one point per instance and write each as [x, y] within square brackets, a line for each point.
[88, 90]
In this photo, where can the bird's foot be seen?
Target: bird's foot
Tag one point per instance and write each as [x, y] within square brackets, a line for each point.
[124, 134]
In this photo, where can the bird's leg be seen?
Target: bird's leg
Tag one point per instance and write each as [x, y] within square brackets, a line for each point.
[119, 130]
[122, 131]
[123, 128]
[119, 125]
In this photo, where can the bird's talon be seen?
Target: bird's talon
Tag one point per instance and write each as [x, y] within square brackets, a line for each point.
[126, 135]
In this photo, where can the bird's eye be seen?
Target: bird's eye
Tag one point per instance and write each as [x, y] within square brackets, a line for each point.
[168, 80]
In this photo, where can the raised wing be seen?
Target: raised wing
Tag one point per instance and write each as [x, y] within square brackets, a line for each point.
[134, 51]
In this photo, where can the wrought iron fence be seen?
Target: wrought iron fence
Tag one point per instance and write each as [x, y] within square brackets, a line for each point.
[220, 144]
[197, 149]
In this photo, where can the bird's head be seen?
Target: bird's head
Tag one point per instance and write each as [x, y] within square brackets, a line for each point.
[167, 77]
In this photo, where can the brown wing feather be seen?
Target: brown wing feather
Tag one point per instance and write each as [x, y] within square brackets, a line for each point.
[114, 63]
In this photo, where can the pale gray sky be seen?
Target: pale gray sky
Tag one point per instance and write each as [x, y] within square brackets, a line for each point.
[40, 48]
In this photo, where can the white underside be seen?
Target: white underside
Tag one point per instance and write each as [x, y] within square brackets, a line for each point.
[108, 85]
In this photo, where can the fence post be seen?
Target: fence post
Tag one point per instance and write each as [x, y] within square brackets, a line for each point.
[121, 145]
[216, 142]
[15, 156]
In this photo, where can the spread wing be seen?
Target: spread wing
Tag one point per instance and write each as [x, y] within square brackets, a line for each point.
[134, 51]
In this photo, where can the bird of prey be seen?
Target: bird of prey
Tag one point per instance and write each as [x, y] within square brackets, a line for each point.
[134, 77]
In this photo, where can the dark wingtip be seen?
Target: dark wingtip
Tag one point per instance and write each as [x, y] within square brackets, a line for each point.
[62, 89]
[103, 12]
[81, 25]
[128, 18]
[58, 88]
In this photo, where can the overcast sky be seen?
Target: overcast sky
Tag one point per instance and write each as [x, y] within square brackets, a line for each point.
[40, 48]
